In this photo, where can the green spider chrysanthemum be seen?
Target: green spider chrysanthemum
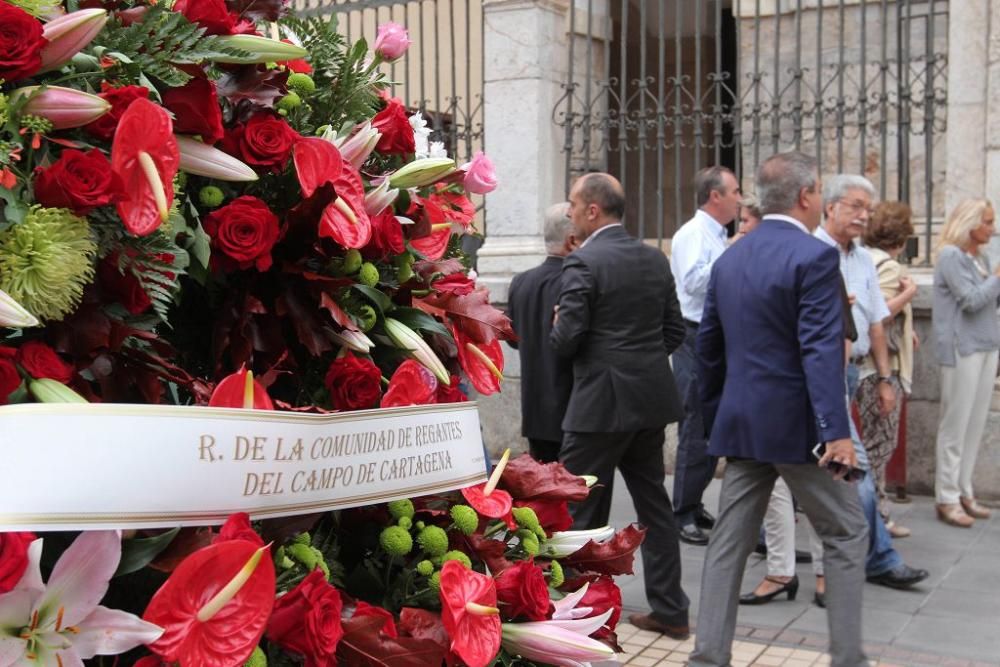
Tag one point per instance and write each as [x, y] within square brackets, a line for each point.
[459, 556]
[556, 575]
[465, 518]
[46, 261]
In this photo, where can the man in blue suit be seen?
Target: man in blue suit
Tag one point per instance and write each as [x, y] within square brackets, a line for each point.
[771, 359]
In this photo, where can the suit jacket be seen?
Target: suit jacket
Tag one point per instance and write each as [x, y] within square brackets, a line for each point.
[619, 320]
[546, 378]
[771, 347]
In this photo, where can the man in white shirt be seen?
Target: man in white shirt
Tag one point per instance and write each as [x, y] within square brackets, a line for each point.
[694, 249]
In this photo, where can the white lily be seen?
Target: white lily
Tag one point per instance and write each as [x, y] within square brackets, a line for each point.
[60, 624]
[203, 160]
[563, 543]
[357, 145]
[380, 198]
[352, 340]
[13, 314]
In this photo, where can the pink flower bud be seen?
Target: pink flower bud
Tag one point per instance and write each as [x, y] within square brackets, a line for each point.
[64, 107]
[480, 176]
[68, 34]
[391, 41]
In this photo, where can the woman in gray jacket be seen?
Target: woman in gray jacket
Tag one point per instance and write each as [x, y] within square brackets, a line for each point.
[967, 337]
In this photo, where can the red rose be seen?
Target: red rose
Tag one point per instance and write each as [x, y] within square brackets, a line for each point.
[10, 380]
[397, 133]
[450, 393]
[602, 594]
[124, 288]
[13, 557]
[196, 106]
[21, 43]
[212, 15]
[458, 284]
[78, 181]
[354, 384]
[264, 141]
[522, 592]
[244, 231]
[306, 620]
[411, 384]
[387, 237]
[41, 361]
[119, 98]
[237, 527]
[365, 609]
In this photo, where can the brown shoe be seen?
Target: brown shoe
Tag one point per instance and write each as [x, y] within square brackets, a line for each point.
[954, 515]
[647, 622]
[974, 509]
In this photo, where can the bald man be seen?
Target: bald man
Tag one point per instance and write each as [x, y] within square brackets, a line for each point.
[618, 319]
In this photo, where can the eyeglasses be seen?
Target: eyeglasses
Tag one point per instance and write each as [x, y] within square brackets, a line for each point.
[858, 206]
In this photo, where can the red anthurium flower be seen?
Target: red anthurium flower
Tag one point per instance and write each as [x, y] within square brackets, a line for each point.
[487, 499]
[237, 527]
[344, 220]
[215, 605]
[365, 609]
[411, 384]
[145, 157]
[441, 208]
[470, 615]
[317, 162]
[240, 390]
[482, 362]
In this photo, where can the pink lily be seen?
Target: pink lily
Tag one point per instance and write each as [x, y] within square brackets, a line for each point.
[566, 608]
[564, 642]
[68, 34]
[65, 107]
[60, 624]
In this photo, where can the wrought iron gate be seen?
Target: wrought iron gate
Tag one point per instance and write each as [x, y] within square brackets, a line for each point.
[657, 89]
[441, 75]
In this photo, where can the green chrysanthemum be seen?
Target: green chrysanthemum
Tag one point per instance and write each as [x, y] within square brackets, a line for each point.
[525, 517]
[425, 567]
[435, 581]
[257, 659]
[529, 542]
[461, 557]
[302, 538]
[396, 541]
[556, 575]
[465, 518]
[404, 522]
[309, 556]
[433, 540]
[401, 508]
[46, 261]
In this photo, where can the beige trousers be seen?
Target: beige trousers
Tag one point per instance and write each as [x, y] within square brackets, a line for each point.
[966, 391]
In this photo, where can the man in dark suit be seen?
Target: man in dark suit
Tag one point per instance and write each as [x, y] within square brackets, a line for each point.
[619, 320]
[771, 359]
[546, 378]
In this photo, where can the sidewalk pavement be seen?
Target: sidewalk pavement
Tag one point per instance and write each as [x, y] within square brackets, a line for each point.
[950, 619]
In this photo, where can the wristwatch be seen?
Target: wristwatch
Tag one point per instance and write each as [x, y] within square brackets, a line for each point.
[885, 378]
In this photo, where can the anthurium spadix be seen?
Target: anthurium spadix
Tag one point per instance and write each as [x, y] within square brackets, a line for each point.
[564, 642]
[65, 108]
[68, 34]
[13, 314]
[204, 160]
[60, 623]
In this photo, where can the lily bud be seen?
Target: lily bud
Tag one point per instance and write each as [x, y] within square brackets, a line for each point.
[47, 390]
[65, 108]
[68, 34]
[422, 172]
[352, 340]
[260, 50]
[356, 147]
[204, 160]
[13, 314]
[380, 198]
[406, 338]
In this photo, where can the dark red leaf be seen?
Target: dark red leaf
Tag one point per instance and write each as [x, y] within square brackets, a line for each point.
[187, 541]
[613, 557]
[490, 551]
[426, 624]
[255, 83]
[527, 479]
[258, 10]
[472, 313]
[307, 326]
[553, 515]
[363, 645]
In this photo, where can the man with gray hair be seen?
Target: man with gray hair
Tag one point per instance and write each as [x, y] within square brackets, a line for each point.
[772, 334]
[546, 379]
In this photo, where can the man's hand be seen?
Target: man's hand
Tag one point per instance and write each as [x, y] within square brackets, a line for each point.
[555, 314]
[907, 286]
[886, 399]
[916, 341]
[842, 452]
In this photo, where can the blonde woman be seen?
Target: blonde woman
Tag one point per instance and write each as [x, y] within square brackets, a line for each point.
[967, 337]
[885, 238]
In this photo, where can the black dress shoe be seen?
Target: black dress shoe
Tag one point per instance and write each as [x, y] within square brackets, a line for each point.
[692, 534]
[791, 587]
[703, 519]
[902, 577]
[647, 622]
[819, 599]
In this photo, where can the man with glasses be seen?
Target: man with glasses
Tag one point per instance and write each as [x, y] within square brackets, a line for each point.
[847, 205]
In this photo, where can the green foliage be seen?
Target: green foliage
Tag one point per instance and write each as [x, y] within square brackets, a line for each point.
[156, 261]
[158, 45]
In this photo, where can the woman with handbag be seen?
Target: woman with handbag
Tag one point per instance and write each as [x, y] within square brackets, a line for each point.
[966, 344]
[885, 238]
